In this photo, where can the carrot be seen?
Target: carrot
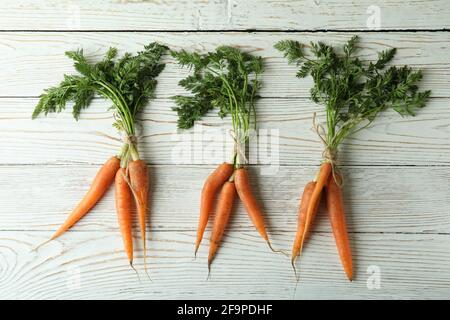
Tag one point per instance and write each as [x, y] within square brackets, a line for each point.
[223, 211]
[102, 181]
[124, 199]
[304, 202]
[337, 217]
[251, 205]
[321, 181]
[214, 181]
[137, 170]
[393, 83]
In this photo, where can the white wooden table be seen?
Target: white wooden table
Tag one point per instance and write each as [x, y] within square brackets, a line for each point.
[398, 171]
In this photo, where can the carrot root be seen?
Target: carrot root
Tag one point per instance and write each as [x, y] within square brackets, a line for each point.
[322, 179]
[212, 184]
[100, 184]
[337, 218]
[137, 170]
[294, 268]
[251, 205]
[137, 274]
[124, 197]
[283, 252]
[224, 207]
[304, 203]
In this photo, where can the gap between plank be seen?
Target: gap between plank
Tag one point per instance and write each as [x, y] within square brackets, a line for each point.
[152, 165]
[444, 29]
[168, 98]
[244, 230]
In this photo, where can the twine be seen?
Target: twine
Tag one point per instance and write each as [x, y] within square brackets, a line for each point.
[129, 139]
[239, 145]
[329, 155]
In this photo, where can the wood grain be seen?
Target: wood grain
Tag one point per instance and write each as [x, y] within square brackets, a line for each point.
[221, 15]
[391, 140]
[94, 267]
[397, 171]
[31, 62]
[377, 199]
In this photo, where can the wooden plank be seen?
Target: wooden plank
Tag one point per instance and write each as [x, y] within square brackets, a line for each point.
[397, 205]
[94, 267]
[34, 61]
[377, 199]
[391, 140]
[223, 15]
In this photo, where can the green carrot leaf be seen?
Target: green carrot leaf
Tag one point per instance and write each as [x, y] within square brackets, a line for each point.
[129, 82]
[353, 92]
[225, 79]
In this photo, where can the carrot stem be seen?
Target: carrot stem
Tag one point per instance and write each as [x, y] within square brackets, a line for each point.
[133, 152]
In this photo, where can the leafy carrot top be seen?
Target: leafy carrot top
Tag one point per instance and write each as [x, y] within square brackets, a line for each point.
[353, 92]
[129, 82]
[227, 79]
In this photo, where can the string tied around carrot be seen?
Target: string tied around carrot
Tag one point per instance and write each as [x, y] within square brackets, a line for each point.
[239, 146]
[329, 154]
[130, 139]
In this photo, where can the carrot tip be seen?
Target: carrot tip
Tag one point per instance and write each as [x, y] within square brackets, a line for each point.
[145, 264]
[137, 274]
[209, 271]
[195, 251]
[148, 275]
[276, 251]
[295, 269]
[146, 270]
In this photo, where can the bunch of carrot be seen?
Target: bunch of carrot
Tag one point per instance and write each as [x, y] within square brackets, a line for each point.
[309, 204]
[131, 183]
[129, 83]
[227, 178]
[353, 94]
[227, 79]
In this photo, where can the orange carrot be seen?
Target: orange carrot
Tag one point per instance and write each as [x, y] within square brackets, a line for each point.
[215, 180]
[251, 205]
[337, 217]
[124, 200]
[223, 212]
[304, 202]
[321, 181]
[103, 179]
[139, 183]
